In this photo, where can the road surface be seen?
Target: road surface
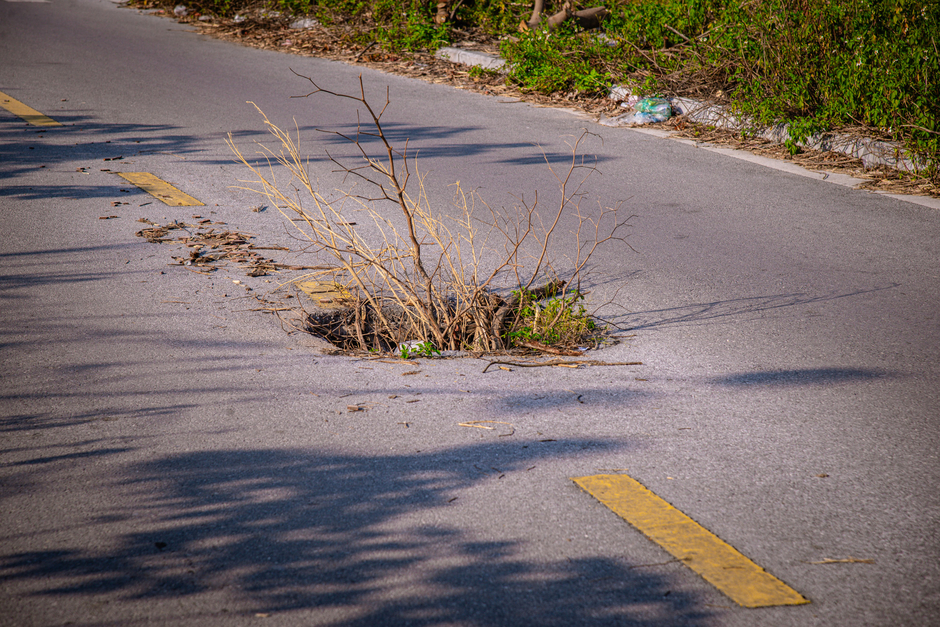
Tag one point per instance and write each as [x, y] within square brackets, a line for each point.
[171, 456]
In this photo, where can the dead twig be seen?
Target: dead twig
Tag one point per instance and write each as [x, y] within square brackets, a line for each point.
[363, 51]
[845, 560]
[557, 362]
[544, 348]
[482, 424]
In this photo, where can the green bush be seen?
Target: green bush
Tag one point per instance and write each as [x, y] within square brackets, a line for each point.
[561, 60]
[834, 63]
[818, 64]
[415, 30]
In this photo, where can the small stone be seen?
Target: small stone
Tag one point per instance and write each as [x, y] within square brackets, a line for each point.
[304, 23]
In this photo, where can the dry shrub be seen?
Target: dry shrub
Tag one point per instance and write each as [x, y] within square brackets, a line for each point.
[414, 272]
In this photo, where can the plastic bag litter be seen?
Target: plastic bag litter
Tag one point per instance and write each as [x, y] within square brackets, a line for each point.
[650, 110]
[619, 93]
[657, 106]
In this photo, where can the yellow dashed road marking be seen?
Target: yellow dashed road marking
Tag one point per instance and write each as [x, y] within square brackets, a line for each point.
[720, 564]
[160, 189]
[29, 114]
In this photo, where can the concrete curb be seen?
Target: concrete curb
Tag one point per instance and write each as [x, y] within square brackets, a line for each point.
[872, 152]
[471, 58]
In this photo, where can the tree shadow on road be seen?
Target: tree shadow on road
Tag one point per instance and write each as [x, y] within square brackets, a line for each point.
[98, 145]
[698, 313]
[443, 142]
[802, 377]
[356, 540]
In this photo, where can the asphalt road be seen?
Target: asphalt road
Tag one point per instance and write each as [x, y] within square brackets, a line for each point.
[172, 457]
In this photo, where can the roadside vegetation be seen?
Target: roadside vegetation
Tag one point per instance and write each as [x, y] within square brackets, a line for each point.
[819, 65]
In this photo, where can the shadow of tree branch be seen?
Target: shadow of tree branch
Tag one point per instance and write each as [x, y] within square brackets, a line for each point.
[360, 540]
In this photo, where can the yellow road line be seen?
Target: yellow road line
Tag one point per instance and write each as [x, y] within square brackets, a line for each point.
[160, 189]
[29, 114]
[720, 564]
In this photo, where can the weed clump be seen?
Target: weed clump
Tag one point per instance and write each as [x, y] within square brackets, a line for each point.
[561, 320]
[415, 274]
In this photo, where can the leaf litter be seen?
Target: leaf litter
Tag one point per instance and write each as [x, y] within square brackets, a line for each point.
[211, 247]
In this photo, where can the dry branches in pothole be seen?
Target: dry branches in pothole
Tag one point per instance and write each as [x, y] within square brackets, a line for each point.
[470, 278]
